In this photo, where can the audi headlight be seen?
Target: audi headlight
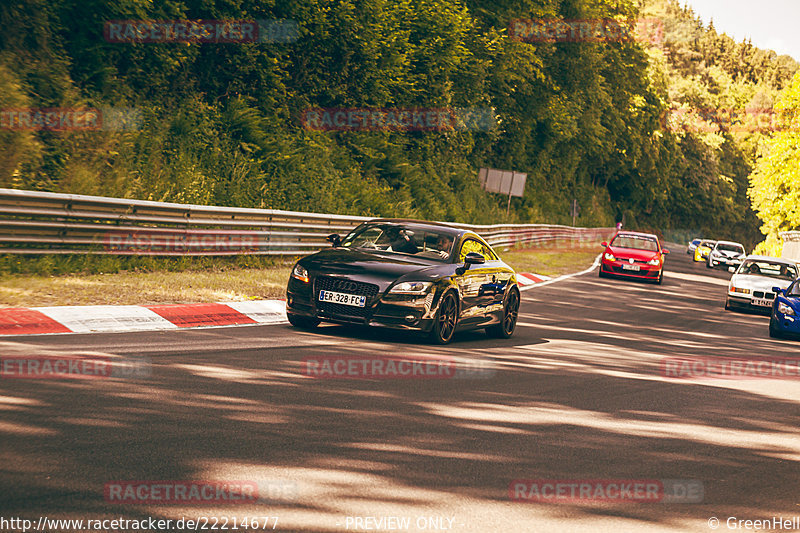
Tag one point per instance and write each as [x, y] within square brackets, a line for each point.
[300, 273]
[785, 309]
[654, 261]
[609, 257]
[411, 287]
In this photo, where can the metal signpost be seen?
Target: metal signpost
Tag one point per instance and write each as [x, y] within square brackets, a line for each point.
[503, 182]
[575, 210]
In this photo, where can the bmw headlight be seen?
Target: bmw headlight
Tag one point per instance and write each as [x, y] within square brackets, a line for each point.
[654, 261]
[411, 287]
[609, 256]
[785, 309]
[300, 273]
[738, 289]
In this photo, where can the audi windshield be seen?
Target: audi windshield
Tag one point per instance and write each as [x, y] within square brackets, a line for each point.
[402, 239]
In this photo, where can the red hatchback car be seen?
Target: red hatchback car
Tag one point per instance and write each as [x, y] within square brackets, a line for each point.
[633, 255]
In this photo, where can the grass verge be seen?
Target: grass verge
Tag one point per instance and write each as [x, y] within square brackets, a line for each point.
[551, 261]
[183, 280]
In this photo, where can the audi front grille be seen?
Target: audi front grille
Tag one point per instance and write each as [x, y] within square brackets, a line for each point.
[327, 283]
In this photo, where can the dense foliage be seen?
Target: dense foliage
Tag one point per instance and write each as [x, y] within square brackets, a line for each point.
[721, 97]
[775, 188]
[221, 123]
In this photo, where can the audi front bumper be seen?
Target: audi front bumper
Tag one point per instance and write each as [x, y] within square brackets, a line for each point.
[402, 312]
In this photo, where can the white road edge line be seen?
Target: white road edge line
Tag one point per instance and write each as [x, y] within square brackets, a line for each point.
[565, 276]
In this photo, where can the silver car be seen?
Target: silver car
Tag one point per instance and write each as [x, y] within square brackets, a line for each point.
[751, 285]
[726, 254]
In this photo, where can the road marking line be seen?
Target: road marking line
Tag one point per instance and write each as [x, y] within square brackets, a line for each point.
[566, 276]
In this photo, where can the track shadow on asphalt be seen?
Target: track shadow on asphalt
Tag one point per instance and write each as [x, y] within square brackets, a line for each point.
[577, 394]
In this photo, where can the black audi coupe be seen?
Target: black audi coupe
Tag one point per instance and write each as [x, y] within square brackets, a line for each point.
[407, 275]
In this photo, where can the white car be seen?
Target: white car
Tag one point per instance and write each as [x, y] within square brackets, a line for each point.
[751, 285]
[726, 254]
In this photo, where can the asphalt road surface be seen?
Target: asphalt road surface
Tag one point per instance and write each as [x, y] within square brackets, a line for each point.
[578, 395]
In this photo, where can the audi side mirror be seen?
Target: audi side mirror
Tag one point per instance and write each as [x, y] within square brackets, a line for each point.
[604, 244]
[334, 239]
[665, 251]
[474, 258]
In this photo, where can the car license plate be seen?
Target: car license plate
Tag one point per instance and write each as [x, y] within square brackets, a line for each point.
[342, 298]
[763, 302]
[635, 268]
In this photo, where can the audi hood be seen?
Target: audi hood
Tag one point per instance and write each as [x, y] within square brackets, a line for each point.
[381, 269]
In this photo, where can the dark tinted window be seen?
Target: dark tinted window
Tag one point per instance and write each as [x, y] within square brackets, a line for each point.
[403, 239]
[730, 248]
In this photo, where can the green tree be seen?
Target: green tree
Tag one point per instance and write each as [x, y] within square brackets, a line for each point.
[775, 182]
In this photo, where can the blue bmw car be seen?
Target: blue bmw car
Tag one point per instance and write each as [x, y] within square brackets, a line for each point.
[785, 318]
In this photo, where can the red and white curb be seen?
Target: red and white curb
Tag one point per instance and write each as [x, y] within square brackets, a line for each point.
[119, 318]
[526, 279]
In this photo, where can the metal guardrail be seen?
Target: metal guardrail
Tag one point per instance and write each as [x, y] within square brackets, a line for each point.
[33, 222]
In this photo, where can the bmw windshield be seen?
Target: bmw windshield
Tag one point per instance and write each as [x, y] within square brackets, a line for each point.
[402, 239]
[756, 267]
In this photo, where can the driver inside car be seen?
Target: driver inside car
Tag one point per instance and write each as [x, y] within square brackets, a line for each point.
[443, 245]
